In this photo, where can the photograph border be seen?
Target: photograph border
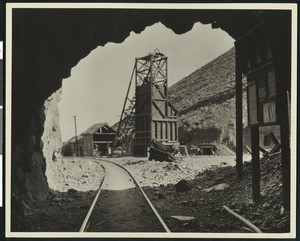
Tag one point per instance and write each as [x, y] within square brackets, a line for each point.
[8, 111]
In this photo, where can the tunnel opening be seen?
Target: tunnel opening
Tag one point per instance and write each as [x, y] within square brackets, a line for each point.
[95, 91]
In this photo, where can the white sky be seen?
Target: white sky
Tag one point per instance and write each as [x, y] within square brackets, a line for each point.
[96, 90]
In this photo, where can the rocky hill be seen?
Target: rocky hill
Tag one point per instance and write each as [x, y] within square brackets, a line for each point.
[206, 103]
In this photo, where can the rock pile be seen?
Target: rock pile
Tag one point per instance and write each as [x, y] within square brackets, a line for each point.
[75, 173]
[216, 187]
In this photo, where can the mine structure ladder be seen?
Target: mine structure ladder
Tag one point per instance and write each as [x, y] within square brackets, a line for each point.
[125, 131]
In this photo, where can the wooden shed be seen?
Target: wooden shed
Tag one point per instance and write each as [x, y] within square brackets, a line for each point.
[95, 141]
[98, 139]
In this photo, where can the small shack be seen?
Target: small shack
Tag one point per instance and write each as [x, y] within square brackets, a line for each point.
[95, 141]
[98, 139]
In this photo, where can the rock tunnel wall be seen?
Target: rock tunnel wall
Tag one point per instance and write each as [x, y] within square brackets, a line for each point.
[48, 43]
[52, 141]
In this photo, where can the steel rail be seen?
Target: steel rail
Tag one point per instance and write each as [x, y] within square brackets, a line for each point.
[87, 217]
[162, 222]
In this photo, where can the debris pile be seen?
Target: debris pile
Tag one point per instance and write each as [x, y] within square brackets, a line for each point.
[155, 173]
[216, 187]
[75, 173]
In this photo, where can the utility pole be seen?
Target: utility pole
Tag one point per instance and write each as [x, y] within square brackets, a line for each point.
[76, 135]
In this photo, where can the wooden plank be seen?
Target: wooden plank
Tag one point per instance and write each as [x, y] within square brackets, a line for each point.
[239, 114]
[245, 221]
[274, 139]
[280, 38]
[255, 163]
[248, 149]
[263, 150]
[275, 149]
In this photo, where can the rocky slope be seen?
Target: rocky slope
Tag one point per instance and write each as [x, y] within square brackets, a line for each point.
[206, 103]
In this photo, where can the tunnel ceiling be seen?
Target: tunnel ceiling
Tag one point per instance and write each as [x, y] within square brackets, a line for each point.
[47, 43]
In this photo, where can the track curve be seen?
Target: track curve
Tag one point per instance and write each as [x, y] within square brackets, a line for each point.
[122, 206]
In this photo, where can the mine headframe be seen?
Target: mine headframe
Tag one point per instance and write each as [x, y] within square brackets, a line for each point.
[155, 117]
[149, 115]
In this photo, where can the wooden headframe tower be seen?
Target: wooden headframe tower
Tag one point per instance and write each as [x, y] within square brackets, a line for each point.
[155, 117]
[149, 114]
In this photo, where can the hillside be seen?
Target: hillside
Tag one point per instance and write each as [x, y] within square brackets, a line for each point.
[206, 103]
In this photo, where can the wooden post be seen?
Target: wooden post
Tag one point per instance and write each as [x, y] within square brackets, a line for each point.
[255, 163]
[279, 31]
[76, 139]
[239, 114]
[285, 159]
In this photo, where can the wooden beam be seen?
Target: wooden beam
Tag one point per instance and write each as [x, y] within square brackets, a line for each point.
[263, 150]
[239, 114]
[159, 110]
[255, 163]
[248, 149]
[275, 149]
[279, 33]
[274, 139]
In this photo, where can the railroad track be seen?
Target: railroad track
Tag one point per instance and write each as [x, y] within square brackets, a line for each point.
[121, 205]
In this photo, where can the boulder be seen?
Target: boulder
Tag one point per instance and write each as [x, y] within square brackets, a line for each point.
[182, 186]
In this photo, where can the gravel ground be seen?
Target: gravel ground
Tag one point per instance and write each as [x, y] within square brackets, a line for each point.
[154, 173]
[65, 208]
[204, 202]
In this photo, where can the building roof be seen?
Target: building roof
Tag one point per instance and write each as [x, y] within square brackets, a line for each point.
[94, 128]
[73, 139]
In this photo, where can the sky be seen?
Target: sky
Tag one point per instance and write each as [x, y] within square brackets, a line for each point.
[96, 90]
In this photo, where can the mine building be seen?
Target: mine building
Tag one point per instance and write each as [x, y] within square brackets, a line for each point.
[98, 139]
[95, 141]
